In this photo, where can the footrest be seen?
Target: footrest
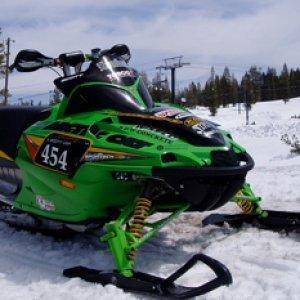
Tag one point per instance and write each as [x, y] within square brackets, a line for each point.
[149, 284]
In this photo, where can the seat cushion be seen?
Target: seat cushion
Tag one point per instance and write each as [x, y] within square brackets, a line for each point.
[13, 121]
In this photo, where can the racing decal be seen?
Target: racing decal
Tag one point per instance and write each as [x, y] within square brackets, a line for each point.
[101, 154]
[192, 121]
[149, 117]
[5, 156]
[33, 144]
[151, 132]
[202, 126]
[36, 139]
[44, 204]
[175, 116]
[168, 113]
[121, 74]
[183, 115]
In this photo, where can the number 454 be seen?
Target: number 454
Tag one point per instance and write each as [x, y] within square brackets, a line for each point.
[52, 158]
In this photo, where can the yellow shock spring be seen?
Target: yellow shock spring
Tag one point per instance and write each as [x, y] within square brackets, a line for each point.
[140, 214]
[247, 206]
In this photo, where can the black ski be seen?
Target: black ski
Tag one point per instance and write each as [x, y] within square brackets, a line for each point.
[163, 287]
[276, 220]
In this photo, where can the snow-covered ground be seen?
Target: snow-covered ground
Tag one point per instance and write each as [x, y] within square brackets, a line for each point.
[264, 265]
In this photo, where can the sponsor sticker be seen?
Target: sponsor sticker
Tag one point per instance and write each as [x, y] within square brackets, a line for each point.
[168, 113]
[183, 115]
[192, 121]
[120, 74]
[44, 204]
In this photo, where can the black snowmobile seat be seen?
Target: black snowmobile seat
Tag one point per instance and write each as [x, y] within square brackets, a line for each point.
[14, 120]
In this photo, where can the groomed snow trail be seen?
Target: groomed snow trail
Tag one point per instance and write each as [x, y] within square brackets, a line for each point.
[264, 265]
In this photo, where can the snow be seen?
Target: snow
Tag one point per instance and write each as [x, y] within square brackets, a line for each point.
[264, 265]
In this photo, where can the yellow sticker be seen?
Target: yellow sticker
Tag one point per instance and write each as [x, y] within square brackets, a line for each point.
[5, 156]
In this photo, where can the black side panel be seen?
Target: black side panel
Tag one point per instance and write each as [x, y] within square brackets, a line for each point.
[202, 191]
[13, 121]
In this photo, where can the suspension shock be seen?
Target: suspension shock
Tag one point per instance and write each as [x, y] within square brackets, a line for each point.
[247, 206]
[140, 214]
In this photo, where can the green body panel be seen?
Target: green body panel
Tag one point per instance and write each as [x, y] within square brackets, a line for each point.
[96, 191]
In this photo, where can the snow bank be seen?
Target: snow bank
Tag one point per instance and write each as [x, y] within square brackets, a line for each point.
[264, 265]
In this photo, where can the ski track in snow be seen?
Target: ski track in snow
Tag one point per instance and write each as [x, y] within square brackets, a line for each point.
[264, 265]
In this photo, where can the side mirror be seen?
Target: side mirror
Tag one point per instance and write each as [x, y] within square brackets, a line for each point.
[120, 50]
[31, 60]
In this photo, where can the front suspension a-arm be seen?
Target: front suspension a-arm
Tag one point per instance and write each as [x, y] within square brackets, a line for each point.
[255, 215]
[122, 242]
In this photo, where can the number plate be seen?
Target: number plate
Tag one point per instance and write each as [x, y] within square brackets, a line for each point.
[62, 153]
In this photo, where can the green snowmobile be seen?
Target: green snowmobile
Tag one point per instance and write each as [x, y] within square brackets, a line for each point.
[108, 156]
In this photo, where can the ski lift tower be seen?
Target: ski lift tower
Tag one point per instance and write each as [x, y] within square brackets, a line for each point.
[173, 63]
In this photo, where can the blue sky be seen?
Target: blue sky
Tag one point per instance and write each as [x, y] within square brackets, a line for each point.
[233, 33]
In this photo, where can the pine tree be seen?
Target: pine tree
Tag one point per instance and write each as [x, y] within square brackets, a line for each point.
[192, 94]
[212, 75]
[225, 88]
[255, 77]
[295, 83]
[234, 91]
[270, 85]
[255, 86]
[285, 83]
[213, 95]
[55, 97]
[213, 102]
[246, 87]
[199, 94]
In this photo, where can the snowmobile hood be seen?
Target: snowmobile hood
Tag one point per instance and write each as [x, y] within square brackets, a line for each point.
[177, 123]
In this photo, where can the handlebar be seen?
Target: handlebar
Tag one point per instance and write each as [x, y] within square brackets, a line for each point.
[32, 60]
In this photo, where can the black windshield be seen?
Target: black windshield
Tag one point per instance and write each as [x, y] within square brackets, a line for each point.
[94, 98]
[122, 76]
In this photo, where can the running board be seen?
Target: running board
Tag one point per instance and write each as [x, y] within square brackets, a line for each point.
[275, 220]
[162, 287]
